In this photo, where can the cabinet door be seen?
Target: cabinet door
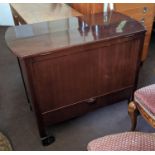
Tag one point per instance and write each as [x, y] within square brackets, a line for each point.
[88, 8]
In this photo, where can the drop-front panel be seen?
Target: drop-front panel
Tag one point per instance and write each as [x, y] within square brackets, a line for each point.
[75, 65]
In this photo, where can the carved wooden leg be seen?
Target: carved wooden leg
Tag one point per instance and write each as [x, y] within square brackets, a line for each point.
[132, 111]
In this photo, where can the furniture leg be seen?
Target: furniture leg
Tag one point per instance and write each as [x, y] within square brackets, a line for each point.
[46, 138]
[132, 111]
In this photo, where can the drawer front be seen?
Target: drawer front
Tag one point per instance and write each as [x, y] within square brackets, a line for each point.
[71, 111]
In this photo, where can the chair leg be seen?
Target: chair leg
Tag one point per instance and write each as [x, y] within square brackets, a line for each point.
[132, 111]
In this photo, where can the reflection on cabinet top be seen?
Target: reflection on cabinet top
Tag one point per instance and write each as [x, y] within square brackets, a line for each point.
[35, 12]
[45, 37]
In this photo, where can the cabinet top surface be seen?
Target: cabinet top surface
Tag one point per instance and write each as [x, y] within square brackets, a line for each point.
[41, 38]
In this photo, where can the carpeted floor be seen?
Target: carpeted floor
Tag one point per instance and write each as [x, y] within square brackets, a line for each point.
[18, 122]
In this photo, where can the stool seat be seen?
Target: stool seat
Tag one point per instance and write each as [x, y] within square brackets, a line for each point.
[145, 97]
[127, 141]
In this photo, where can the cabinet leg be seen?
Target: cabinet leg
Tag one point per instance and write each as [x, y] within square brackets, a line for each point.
[132, 111]
[47, 140]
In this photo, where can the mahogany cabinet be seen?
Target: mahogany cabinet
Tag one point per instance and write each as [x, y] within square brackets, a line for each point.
[75, 65]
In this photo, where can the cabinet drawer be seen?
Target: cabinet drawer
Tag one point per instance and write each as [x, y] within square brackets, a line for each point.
[129, 6]
[74, 110]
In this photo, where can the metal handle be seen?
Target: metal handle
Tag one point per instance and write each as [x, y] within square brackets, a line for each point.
[145, 10]
[91, 100]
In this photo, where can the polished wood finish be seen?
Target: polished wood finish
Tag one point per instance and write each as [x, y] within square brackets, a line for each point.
[133, 108]
[146, 116]
[75, 65]
[130, 6]
[29, 13]
[132, 111]
[142, 12]
[71, 32]
[88, 8]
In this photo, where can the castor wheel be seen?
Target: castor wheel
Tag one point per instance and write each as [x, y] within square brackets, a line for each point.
[48, 140]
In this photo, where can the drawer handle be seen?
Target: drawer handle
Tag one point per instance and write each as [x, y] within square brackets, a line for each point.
[91, 100]
[145, 10]
[142, 21]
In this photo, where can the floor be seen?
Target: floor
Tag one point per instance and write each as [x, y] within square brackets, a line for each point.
[19, 124]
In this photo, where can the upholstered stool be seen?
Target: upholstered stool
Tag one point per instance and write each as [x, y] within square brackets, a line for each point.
[127, 141]
[144, 102]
